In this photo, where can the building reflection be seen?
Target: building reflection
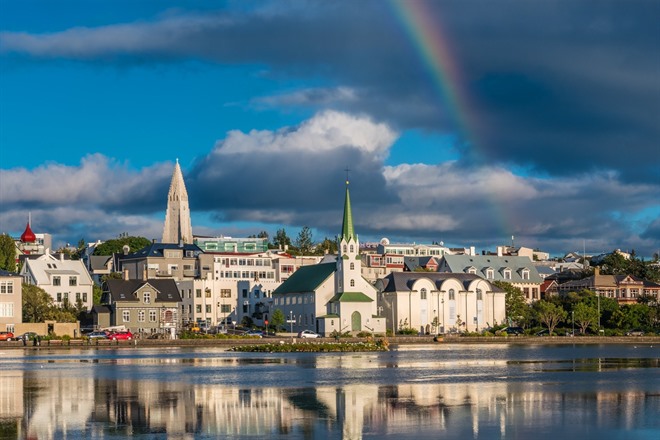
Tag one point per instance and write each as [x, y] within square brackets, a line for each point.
[44, 406]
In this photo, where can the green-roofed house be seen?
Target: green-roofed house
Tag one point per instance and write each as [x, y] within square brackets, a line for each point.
[332, 296]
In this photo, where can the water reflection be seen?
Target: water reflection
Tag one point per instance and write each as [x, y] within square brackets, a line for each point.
[196, 394]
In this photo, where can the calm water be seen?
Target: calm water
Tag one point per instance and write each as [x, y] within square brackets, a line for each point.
[420, 392]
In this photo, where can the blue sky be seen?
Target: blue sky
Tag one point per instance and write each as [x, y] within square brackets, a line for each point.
[266, 103]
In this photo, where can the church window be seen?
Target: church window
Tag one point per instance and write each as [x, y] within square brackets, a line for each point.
[352, 266]
[480, 295]
[344, 249]
[352, 249]
[352, 283]
[452, 295]
[422, 294]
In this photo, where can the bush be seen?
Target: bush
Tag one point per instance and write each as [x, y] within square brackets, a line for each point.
[389, 333]
[407, 331]
[364, 335]
[66, 338]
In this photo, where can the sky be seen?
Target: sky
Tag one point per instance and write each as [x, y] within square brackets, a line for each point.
[462, 122]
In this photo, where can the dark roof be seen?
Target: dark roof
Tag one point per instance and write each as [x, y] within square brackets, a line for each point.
[4, 273]
[157, 250]
[306, 278]
[413, 263]
[98, 262]
[123, 290]
[98, 309]
[403, 281]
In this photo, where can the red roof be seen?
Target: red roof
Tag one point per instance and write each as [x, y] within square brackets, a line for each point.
[28, 236]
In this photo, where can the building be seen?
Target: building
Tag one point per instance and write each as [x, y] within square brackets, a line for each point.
[11, 300]
[142, 306]
[626, 289]
[66, 281]
[432, 302]
[519, 271]
[332, 296]
[162, 260]
[412, 249]
[30, 243]
[232, 244]
[178, 228]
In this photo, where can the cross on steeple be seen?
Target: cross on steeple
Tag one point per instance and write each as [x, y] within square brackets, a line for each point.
[347, 169]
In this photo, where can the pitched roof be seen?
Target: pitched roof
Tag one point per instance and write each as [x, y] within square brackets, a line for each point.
[43, 269]
[351, 297]
[347, 231]
[306, 278]
[124, 290]
[158, 250]
[403, 281]
[413, 263]
[459, 263]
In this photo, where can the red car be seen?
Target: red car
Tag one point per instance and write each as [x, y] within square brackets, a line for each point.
[119, 336]
[6, 336]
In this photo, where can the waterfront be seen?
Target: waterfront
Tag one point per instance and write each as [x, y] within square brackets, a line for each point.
[421, 391]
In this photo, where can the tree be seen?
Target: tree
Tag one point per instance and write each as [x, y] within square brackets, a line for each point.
[7, 253]
[281, 239]
[549, 314]
[304, 241]
[517, 309]
[37, 304]
[327, 245]
[277, 319]
[97, 293]
[585, 315]
[115, 246]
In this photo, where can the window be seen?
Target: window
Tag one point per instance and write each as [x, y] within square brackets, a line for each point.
[6, 310]
[422, 294]
[198, 293]
[66, 296]
[507, 274]
[73, 281]
[208, 293]
[525, 274]
[77, 296]
[526, 291]
[343, 249]
[352, 283]
[59, 296]
[245, 308]
[225, 293]
[152, 316]
[535, 292]
[256, 294]
[208, 308]
[85, 297]
[141, 315]
[146, 297]
[352, 248]
[452, 295]
[57, 281]
[225, 308]
[480, 295]
[198, 308]
[472, 270]
[490, 274]
[126, 315]
[245, 293]
[352, 266]
[7, 287]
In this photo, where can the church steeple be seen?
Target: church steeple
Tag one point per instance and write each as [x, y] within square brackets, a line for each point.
[347, 231]
[177, 218]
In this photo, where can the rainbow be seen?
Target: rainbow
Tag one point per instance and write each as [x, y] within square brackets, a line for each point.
[424, 31]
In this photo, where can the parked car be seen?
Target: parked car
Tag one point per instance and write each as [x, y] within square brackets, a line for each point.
[98, 335]
[257, 333]
[27, 336]
[513, 331]
[635, 332]
[308, 334]
[6, 336]
[121, 336]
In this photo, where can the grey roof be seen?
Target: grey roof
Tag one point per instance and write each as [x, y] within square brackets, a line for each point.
[124, 290]
[99, 262]
[413, 263]
[4, 273]
[545, 270]
[403, 281]
[461, 264]
[158, 249]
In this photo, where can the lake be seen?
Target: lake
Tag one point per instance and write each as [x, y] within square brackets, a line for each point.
[493, 391]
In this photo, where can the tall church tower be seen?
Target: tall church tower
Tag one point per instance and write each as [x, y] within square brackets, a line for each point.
[177, 218]
[349, 265]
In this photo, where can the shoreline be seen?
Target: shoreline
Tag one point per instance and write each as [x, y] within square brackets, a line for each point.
[392, 341]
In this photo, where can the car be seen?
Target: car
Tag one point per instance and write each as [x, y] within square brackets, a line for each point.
[27, 336]
[308, 334]
[257, 333]
[121, 336]
[98, 335]
[512, 331]
[6, 336]
[635, 332]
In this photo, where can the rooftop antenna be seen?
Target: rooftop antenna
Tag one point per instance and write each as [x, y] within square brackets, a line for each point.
[512, 245]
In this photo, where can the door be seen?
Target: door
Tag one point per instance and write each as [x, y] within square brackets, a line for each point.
[356, 322]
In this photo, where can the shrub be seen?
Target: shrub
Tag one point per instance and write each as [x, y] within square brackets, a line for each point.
[407, 331]
[364, 335]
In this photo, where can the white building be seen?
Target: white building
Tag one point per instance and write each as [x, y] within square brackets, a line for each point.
[66, 281]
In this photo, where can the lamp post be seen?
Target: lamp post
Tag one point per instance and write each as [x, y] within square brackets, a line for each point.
[291, 320]
[598, 300]
[573, 319]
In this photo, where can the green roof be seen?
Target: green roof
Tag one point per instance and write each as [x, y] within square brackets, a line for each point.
[351, 297]
[347, 231]
[306, 278]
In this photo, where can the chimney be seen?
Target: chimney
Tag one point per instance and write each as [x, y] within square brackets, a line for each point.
[499, 251]
[61, 256]
[145, 273]
[126, 278]
[596, 271]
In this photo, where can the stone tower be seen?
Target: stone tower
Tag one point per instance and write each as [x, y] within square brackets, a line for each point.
[177, 218]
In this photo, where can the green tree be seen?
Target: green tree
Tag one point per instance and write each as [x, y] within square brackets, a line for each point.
[97, 293]
[7, 253]
[277, 319]
[37, 304]
[585, 316]
[115, 246]
[549, 314]
[304, 241]
[281, 239]
[517, 309]
[327, 245]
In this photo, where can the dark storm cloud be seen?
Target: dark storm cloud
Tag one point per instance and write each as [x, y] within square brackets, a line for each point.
[561, 87]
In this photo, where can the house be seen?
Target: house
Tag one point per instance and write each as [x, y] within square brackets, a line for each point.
[11, 300]
[143, 306]
[433, 302]
[162, 260]
[626, 289]
[66, 281]
[519, 271]
[428, 264]
[332, 296]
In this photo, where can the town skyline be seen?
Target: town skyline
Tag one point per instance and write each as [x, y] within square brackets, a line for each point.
[457, 127]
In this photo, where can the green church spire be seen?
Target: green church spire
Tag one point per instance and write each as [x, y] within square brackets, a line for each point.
[347, 231]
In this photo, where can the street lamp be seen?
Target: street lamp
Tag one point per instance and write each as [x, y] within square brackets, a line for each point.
[573, 319]
[598, 299]
[291, 320]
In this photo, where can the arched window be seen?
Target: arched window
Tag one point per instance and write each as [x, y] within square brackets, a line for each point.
[352, 266]
[452, 295]
[351, 248]
[352, 283]
[422, 294]
[480, 295]
[343, 249]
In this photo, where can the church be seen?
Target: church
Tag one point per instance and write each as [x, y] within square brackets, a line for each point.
[329, 297]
